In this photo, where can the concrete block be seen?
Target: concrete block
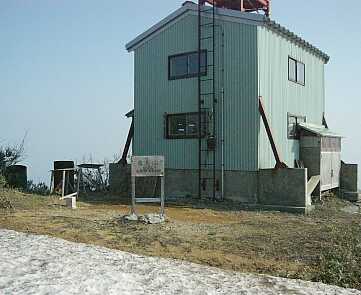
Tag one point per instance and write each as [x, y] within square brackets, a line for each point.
[71, 202]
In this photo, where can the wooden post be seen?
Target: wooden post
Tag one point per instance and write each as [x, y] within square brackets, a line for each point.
[242, 5]
[78, 182]
[133, 195]
[63, 185]
[101, 179]
[51, 188]
[162, 196]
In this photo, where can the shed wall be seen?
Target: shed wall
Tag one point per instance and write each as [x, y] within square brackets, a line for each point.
[281, 95]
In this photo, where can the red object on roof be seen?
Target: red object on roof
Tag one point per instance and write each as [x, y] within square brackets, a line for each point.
[242, 5]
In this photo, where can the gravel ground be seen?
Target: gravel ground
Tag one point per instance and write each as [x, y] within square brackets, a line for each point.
[31, 264]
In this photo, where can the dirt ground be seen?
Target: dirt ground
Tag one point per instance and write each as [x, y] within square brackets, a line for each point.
[219, 235]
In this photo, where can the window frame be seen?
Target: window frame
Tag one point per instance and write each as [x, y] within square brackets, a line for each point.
[297, 117]
[167, 134]
[188, 75]
[297, 62]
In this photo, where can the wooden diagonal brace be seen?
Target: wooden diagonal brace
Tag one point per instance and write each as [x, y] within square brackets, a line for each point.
[279, 163]
[123, 160]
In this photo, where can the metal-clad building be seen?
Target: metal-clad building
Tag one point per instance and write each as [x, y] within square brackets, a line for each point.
[259, 58]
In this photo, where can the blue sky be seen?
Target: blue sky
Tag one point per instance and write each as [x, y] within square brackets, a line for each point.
[67, 80]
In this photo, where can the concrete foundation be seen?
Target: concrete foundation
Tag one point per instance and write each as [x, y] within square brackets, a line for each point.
[281, 190]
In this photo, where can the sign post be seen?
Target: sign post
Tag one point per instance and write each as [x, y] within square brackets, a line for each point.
[148, 166]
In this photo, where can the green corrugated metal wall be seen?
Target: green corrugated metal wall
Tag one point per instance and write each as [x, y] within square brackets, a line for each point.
[281, 95]
[155, 95]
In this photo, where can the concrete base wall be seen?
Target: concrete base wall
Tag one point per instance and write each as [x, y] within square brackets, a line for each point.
[240, 186]
[281, 188]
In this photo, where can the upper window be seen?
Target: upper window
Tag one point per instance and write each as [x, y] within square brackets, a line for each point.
[296, 71]
[292, 125]
[185, 65]
[183, 125]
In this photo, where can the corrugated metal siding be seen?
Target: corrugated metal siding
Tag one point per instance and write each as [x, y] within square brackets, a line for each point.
[155, 96]
[241, 96]
[281, 95]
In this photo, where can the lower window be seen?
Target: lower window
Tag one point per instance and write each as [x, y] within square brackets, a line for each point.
[292, 122]
[184, 125]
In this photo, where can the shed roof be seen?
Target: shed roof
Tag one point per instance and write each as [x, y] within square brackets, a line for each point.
[319, 130]
[231, 15]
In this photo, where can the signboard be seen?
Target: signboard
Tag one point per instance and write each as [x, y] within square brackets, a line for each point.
[147, 166]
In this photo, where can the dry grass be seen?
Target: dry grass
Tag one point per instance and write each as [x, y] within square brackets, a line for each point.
[218, 235]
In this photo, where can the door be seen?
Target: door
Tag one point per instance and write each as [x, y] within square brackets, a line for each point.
[326, 171]
[336, 167]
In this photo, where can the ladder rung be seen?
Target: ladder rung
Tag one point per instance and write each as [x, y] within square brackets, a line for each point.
[206, 80]
[205, 38]
[205, 94]
[206, 24]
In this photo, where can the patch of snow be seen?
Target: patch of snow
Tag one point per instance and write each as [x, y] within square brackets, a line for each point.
[31, 264]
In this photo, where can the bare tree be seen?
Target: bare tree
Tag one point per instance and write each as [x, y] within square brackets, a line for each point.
[11, 155]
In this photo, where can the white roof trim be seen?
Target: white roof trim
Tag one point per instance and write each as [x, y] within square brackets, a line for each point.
[228, 15]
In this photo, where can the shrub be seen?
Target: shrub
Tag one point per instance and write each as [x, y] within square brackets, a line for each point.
[2, 182]
[341, 264]
[11, 155]
[37, 189]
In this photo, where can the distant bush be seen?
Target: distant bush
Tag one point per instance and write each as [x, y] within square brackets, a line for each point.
[37, 189]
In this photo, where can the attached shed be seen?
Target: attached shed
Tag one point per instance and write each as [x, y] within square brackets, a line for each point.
[320, 152]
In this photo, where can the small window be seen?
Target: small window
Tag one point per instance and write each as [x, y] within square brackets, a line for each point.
[301, 73]
[292, 66]
[292, 125]
[185, 65]
[183, 125]
[296, 71]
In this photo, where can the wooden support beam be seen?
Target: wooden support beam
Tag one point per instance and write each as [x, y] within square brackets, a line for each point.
[279, 163]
